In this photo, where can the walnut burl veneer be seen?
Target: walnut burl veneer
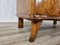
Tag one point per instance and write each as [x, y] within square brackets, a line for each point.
[36, 11]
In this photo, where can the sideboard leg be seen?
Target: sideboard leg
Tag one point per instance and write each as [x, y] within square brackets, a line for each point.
[35, 28]
[54, 22]
[20, 22]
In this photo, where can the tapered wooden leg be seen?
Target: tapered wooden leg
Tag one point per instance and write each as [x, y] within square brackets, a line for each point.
[35, 28]
[20, 22]
[54, 22]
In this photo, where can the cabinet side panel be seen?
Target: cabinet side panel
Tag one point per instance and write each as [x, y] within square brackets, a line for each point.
[23, 7]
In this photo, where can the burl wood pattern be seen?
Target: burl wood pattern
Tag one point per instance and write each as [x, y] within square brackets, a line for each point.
[49, 7]
[30, 8]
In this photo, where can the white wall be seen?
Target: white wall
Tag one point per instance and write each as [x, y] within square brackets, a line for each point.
[8, 10]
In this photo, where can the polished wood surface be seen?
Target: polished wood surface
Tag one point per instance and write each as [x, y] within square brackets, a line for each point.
[36, 25]
[33, 7]
[20, 23]
[37, 10]
[38, 17]
[49, 7]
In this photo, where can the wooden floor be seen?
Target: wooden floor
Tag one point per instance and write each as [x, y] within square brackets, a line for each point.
[11, 35]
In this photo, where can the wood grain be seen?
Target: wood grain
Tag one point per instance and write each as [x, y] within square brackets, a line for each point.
[11, 35]
[36, 25]
[44, 7]
[49, 7]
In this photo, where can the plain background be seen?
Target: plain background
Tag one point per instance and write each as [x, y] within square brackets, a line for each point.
[8, 10]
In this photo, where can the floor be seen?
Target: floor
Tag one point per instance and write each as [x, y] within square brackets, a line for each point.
[11, 35]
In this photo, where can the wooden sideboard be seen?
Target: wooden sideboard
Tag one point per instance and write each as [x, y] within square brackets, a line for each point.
[36, 11]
